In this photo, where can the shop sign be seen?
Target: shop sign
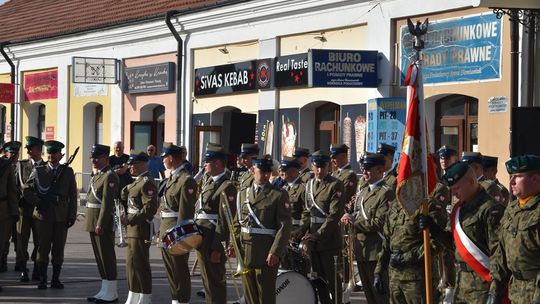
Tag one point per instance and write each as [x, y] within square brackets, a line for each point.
[150, 78]
[264, 74]
[457, 50]
[498, 104]
[39, 86]
[90, 89]
[7, 93]
[342, 68]
[227, 78]
[386, 123]
[291, 70]
[49, 132]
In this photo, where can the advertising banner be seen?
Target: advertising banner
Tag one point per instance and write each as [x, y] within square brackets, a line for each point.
[288, 131]
[7, 93]
[39, 86]
[386, 123]
[228, 78]
[150, 78]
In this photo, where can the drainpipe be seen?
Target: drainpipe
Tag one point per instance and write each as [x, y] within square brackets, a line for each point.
[12, 74]
[514, 71]
[179, 58]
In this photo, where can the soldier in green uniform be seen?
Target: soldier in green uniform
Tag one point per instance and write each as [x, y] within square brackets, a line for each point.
[476, 161]
[247, 154]
[55, 211]
[390, 171]
[8, 202]
[490, 172]
[141, 197]
[368, 217]
[27, 202]
[301, 155]
[177, 202]
[473, 225]
[209, 217]
[263, 225]
[320, 222]
[100, 206]
[11, 153]
[516, 262]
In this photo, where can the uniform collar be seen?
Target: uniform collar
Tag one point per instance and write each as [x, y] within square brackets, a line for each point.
[217, 177]
[177, 170]
[375, 184]
[141, 175]
[294, 181]
[344, 167]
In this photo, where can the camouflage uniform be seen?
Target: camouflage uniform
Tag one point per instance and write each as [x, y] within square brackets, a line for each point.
[492, 189]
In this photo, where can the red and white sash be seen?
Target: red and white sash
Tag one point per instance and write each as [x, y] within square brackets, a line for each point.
[471, 254]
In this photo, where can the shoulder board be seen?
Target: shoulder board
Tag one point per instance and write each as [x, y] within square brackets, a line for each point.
[385, 187]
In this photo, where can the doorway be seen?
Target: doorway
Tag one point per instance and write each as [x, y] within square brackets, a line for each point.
[150, 130]
[326, 126]
[457, 122]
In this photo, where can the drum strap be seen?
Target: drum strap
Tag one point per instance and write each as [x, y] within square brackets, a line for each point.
[169, 214]
[252, 230]
[93, 206]
[313, 199]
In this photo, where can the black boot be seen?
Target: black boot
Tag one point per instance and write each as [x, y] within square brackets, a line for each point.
[42, 276]
[24, 273]
[35, 272]
[55, 282]
[3, 263]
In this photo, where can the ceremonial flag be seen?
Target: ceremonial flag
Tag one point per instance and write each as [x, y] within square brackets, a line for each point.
[416, 163]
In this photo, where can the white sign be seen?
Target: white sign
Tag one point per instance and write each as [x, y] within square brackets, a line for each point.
[95, 70]
[498, 104]
[83, 89]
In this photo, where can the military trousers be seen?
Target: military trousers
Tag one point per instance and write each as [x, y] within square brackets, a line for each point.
[259, 285]
[103, 246]
[178, 275]
[52, 239]
[26, 225]
[138, 272]
[366, 271]
[470, 288]
[213, 276]
[12, 234]
[323, 265]
[5, 233]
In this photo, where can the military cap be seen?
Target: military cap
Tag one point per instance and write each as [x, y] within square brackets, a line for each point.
[137, 156]
[523, 163]
[53, 146]
[385, 149]
[299, 152]
[214, 151]
[338, 148]
[12, 146]
[446, 151]
[373, 159]
[490, 161]
[100, 150]
[472, 157]
[172, 149]
[320, 158]
[247, 149]
[289, 162]
[454, 173]
[33, 141]
[264, 163]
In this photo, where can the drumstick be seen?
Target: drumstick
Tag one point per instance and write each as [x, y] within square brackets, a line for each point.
[194, 266]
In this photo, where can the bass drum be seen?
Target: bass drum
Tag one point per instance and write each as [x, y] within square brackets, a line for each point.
[294, 288]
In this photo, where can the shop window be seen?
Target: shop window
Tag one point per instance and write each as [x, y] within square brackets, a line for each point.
[457, 122]
[99, 125]
[149, 132]
[40, 126]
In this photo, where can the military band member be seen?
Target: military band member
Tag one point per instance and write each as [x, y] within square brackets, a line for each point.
[55, 211]
[515, 263]
[476, 161]
[100, 207]
[343, 171]
[11, 153]
[141, 197]
[247, 154]
[390, 171]
[368, 217]
[302, 155]
[8, 202]
[320, 221]
[209, 217]
[474, 222]
[263, 225]
[27, 202]
[177, 204]
[490, 172]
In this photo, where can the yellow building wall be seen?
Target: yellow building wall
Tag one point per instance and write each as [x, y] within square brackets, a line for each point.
[76, 130]
[6, 78]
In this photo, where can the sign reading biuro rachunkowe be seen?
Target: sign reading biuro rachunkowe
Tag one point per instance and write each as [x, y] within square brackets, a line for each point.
[228, 78]
[456, 50]
[343, 68]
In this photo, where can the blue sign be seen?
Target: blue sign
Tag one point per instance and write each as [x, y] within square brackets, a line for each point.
[342, 68]
[386, 123]
[457, 50]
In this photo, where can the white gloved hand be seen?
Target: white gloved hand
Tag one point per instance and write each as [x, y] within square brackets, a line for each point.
[448, 295]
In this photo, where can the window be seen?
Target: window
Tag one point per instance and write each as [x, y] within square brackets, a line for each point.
[457, 122]
[40, 127]
[99, 125]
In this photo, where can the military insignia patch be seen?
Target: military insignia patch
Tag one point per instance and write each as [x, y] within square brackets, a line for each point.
[231, 198]
[441, 198]
[150, 192]
[287, 205]
[111, 184]
[351, 183]
[338, 193]
[190, 190]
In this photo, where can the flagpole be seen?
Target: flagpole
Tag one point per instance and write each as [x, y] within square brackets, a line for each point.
[418, 33]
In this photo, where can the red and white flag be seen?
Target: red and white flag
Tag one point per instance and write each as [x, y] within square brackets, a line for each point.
[415, 158]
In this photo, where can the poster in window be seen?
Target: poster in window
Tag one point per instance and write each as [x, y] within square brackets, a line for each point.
[288, 131]
[353, 126]
[265, 131]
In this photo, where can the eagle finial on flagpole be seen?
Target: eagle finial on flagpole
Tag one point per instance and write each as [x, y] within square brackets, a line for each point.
[418, 30]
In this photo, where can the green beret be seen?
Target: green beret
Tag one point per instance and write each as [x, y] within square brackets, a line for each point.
[454, 173]
[338, 148]
[33, 141]
[522, 163]
[53, 146]
[12, 146]
[320, 158]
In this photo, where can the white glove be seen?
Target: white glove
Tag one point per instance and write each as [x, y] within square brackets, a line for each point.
[448, 295]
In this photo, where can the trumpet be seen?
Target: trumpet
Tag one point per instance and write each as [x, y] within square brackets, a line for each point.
[119, 228]
[241, 269]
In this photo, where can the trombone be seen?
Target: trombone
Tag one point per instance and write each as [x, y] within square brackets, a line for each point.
[241, 269]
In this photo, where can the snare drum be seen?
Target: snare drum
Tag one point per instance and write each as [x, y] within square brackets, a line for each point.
[294, 288]
[182, 238]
